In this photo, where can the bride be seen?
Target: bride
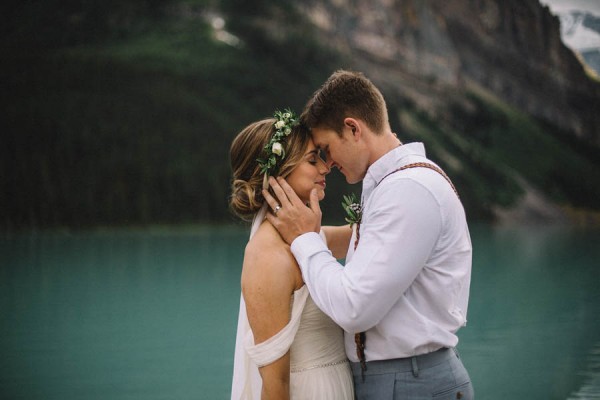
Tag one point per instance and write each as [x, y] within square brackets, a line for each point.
[286, 348]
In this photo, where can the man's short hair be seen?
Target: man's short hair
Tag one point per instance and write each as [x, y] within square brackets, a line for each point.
[346, 94]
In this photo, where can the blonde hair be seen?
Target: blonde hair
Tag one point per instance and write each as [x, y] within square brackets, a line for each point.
[247, 181]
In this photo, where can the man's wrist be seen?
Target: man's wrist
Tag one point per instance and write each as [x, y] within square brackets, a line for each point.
[306, 245]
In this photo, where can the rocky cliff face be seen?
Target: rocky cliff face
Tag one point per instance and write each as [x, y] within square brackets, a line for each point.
[514, 49]
[427, 51]
[580, 31]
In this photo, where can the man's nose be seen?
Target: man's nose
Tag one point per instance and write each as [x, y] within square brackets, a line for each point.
[325, 168]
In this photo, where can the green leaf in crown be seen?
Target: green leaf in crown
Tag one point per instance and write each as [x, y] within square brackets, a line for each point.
[274, 150]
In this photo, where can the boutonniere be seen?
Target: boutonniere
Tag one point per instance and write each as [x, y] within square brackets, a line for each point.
[353, 209]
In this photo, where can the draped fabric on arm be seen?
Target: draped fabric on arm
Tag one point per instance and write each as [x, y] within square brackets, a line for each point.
[276, 346]
[247, 383]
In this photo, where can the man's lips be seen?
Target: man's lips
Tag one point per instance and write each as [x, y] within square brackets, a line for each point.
[321, 183]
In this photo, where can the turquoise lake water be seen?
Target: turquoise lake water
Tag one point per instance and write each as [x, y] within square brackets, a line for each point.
[151, 314]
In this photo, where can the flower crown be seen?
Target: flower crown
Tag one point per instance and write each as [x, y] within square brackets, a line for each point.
[285, 121]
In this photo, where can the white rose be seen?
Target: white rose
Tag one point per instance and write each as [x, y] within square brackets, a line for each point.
[277, 148]
[286, 115]
[279, 124]
[287, 131]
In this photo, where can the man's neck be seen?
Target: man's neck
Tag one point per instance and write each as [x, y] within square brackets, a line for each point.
[382, 145]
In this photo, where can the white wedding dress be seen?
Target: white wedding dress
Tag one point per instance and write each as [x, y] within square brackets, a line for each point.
[319, 368]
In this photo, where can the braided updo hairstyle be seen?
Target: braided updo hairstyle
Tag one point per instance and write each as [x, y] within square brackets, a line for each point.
[246, 188]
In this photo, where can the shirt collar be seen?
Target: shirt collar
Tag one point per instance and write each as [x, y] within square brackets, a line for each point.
[390, 162]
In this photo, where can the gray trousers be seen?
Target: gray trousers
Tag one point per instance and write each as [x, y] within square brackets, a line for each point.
[437, 375]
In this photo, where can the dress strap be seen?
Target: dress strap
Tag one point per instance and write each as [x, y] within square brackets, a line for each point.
[276, 346]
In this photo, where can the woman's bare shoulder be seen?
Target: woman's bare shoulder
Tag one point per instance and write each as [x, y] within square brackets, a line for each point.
[269, 278]
[269, 261]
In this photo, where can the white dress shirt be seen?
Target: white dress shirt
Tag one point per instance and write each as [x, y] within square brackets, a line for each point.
[407, 283]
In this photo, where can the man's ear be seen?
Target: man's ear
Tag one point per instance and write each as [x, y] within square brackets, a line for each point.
[354, 126]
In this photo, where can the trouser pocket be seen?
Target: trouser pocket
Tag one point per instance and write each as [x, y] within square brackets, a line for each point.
[464, 392]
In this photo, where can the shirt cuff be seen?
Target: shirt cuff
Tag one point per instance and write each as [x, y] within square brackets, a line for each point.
[306, 245]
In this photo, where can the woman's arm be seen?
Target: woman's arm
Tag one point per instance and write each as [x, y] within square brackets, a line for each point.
[268, 281]
[338, 239]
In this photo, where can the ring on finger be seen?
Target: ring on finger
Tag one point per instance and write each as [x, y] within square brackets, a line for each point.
[276, 210]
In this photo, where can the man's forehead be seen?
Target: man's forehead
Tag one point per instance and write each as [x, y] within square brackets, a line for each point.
[320, 145]
[321, 136]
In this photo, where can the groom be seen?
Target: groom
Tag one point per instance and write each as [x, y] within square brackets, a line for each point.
[403, 292]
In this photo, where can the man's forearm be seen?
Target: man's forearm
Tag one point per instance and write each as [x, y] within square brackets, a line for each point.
[338, 239]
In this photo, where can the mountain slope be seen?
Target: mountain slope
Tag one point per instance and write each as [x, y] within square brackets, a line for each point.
[131, 123]
[488, 85]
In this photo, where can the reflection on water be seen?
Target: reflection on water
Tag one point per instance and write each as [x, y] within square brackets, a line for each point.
[118, 315]
[534, 311]
[151, 314]
[590, 389]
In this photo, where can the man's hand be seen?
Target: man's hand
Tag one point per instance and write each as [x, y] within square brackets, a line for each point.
[289, 215]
